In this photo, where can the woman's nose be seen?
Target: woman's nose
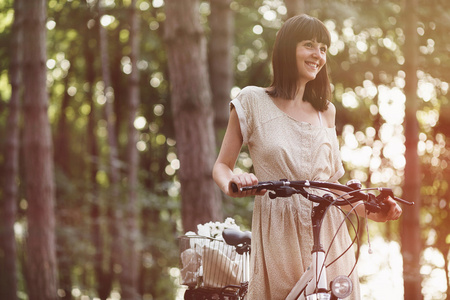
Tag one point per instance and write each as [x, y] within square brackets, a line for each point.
[316, 52]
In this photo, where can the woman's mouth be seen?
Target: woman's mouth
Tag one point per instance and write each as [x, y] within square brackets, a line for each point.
[313, 65]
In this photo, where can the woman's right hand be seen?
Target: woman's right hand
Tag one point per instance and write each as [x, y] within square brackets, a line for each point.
[241, 180]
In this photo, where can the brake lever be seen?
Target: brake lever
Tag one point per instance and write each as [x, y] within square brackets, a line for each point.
[384, 194]
[372, 205]
[282, 191]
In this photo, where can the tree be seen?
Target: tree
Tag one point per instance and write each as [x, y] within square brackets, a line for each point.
[366, 59]
[102, 263]
[38, 159]
[114, 206]
[192, 112]
[295, 7]
[221, 22]
[411, 243]
[8, 213]
[130, 230]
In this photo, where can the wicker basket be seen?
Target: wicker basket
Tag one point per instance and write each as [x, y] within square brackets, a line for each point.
[208, 262]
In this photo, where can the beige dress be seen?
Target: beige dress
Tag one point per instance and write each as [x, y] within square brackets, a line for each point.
[282, 147]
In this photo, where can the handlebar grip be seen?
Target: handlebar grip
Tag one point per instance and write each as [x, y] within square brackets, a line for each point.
[234, 187]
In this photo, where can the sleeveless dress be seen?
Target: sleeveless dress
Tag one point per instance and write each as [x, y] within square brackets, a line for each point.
[282, 147]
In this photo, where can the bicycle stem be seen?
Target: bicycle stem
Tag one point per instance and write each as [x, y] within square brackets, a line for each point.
[316, 272]
[317, 216]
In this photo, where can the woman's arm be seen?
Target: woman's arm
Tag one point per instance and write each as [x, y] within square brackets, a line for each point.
[223, 168]
[329, 116]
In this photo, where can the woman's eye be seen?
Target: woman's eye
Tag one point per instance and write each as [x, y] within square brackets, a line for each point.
[323, 49]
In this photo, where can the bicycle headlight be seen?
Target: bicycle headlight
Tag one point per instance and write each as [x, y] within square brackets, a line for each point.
[341, 286]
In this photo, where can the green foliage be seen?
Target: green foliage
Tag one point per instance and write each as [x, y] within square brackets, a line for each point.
[365, 59]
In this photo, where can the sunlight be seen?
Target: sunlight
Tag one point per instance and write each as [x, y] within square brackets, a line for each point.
[270, 15]
[362, 46]
[174, 189]
[19, 231]
[158, 110]
[141, 146]
[257, 29]
[391, 102]
[426, 90]
[107, 20]
[157, 3]
[51, 24]
[51, 63]
[384, 267]
[349, 100]
[140, 122]
[434, 283]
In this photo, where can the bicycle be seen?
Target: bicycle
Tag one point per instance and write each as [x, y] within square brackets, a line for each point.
[313, 284]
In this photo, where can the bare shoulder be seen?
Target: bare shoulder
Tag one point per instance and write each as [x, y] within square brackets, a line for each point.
[330, 115]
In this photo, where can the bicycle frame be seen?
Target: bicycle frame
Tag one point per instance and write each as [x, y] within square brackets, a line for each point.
[311, 279]
[313, 284]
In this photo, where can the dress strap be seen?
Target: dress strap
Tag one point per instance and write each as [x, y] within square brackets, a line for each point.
[320, 119]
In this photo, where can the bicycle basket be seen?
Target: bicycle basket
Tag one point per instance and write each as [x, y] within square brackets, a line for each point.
[208, 262]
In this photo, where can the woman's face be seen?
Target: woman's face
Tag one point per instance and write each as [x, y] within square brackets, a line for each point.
[311, 57]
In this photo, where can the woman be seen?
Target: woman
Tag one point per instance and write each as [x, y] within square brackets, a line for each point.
[289, 128]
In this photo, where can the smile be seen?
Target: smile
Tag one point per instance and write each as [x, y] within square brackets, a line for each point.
[313, 65]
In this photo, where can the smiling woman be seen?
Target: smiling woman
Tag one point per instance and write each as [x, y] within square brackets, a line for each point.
[289, 128]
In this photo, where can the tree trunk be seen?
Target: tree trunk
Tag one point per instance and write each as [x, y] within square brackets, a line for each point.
[131, 235]
[62, 164]
[109, 111]
[11, 168]
[411, 243]
[221, 22]
[101, 260]
[38, 153]
[114, 207]
[192, 112]
[295, 7]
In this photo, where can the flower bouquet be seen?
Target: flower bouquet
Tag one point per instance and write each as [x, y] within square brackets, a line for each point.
[207, 261]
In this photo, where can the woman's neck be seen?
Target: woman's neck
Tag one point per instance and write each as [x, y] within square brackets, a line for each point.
[300, 92]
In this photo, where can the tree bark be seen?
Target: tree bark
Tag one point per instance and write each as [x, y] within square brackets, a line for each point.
[294, 7]
[192, 112]
[114, 207]
[411, 242]
[38, 153]
[8, 212]
[62, 164]
[131, 234]
[221, 22]
[102, 262]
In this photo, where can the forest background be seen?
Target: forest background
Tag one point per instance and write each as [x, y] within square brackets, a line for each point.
[112, 113]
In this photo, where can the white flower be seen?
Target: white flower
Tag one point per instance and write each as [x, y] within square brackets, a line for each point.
[215, 229]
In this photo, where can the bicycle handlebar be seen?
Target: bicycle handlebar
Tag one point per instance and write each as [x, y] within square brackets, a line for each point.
[285, 188]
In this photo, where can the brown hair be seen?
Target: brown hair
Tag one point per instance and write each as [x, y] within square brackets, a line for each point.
[285, 76]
